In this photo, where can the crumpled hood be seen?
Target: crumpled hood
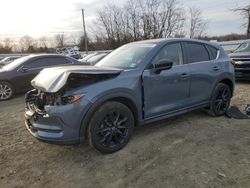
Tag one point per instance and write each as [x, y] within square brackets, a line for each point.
[53, 79]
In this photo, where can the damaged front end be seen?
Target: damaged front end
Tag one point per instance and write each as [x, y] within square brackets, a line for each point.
[54, 109]
[37, 100]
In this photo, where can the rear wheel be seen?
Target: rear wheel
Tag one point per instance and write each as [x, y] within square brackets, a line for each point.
[6, 91]
[220, 100]
[110, 127]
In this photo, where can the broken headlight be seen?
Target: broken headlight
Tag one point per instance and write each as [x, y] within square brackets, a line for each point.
[71, 98]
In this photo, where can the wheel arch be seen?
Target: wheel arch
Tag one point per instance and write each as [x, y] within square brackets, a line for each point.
[123, 98]
[228, 82]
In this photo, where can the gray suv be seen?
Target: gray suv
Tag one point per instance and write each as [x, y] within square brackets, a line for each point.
[138, 83]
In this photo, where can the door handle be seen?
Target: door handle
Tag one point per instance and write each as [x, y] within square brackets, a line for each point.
[184, 75]
[216, 68]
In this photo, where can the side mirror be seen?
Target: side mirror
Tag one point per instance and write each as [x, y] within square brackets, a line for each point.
[24, 69]
[163, 64]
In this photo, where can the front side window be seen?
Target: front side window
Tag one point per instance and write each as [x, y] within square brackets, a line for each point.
[171, 52]
[196, 52]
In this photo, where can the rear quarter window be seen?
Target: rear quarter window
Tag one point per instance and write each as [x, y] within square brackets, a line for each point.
[212, 52]
[54, 61]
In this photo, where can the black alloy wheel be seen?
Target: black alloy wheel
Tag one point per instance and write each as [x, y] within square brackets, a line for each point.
[220, 100]
[111, 127]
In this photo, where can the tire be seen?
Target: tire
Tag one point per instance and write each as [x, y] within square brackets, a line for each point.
[110, 127]
[6, 91]
[220, 100]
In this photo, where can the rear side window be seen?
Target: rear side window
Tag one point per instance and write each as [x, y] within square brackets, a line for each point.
[37, 63]
[212, 51]
[53, 61]
[197, 52]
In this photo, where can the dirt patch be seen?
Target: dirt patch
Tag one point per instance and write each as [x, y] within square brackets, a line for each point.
[192, 150]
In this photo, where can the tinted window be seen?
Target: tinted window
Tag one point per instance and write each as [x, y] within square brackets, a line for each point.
[53, 61]
[196, 52]
[37, 63]
[212, 51]
[172, 52]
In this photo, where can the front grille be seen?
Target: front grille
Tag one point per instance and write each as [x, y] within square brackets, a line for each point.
[245, 65]
[34, 103]
[242, 59]
[245, 62]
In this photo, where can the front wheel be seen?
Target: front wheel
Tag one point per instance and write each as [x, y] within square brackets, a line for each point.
[220, 100]
[110, 127]
[6, 91]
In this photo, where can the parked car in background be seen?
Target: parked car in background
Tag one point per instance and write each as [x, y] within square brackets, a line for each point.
[16, 76]
[88, 56]
[138, 83]
[241, 58]
[96, 58]
[8, 60]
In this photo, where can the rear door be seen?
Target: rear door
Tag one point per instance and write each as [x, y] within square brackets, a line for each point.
[58, 61]
[204, 69]
[168, 90]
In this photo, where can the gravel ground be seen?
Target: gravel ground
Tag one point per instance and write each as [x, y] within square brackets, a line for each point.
[192, 150]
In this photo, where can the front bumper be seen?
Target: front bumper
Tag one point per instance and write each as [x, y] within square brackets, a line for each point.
[242, 73]
[60, 124]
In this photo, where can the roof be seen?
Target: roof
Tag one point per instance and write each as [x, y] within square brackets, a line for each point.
[46, 55]
[164, 40]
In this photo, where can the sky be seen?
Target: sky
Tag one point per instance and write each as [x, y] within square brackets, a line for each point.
[38, 18]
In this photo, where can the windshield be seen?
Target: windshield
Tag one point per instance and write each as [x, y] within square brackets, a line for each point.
[126, 57]
[5, 59]
[16, 63]
[244, 47]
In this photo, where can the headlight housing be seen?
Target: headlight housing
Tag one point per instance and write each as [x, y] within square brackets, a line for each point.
[71, 98]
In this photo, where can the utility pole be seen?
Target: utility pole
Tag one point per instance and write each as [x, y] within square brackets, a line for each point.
[85, 34]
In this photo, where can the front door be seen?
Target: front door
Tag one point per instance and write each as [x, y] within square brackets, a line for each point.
[26, 73]
[167, 91]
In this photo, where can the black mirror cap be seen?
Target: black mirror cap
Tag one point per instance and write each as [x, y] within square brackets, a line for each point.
[163, 64]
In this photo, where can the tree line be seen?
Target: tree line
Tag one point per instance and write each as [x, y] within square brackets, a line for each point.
[133, 21]
[147, 19]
